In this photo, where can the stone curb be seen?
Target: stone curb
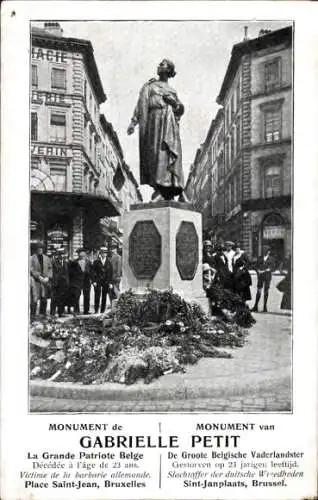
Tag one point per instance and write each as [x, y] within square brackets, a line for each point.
[182, 390]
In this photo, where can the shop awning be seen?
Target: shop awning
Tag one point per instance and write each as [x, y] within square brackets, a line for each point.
[69, 203]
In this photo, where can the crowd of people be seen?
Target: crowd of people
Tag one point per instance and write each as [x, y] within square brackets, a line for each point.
[227, 266]
[64, 281]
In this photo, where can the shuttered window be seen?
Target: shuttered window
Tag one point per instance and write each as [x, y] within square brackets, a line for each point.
[58, 78]
[34, 126]
[58, 127]
[272, 126]
[272, 74]
[34, 75]
[272, 181]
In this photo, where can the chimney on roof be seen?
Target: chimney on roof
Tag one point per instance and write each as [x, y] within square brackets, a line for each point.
[245, 33]
[54, 28]
[263, 32]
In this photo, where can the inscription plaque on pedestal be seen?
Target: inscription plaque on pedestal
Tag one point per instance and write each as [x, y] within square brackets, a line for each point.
[145, 250]
[187, 250]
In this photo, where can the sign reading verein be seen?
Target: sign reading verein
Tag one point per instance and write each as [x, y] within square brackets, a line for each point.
[145, 250]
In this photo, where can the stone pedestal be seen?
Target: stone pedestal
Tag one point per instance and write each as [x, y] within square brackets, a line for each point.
[162, 248]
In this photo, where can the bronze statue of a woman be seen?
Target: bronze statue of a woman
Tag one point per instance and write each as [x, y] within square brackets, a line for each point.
[157, 114]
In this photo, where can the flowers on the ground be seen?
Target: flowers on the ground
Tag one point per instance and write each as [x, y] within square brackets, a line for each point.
[142, 340]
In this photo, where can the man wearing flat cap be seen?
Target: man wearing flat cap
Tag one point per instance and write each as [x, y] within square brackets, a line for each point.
[80, 280]
[264, 268]
[60, 283]
[102, 278]
[41, 274]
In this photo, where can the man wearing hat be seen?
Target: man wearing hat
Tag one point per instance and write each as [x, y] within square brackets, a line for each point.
[208, 257]
[80, 280]
[102, 278]
[223, 275]
[264, 268]
[41, 274]
[60, 283]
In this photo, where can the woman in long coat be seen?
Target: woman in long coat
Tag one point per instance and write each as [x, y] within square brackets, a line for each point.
[241, 276]
[157, 113]
[41, 274]
[285, 287]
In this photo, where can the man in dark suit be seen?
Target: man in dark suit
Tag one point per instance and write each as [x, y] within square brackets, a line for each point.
[80, 281]
[264, 268]
[41, 274]
[102, 277]
[223, 274]
[60, 283]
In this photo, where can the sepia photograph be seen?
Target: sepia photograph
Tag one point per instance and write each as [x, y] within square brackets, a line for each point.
[161, 216]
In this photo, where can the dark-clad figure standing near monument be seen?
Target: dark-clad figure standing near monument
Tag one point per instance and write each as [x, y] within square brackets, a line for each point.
[157, 114]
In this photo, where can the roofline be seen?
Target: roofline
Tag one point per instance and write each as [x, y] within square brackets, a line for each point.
[215, 122]
[109, 129]
[247, 47]
[74, 45]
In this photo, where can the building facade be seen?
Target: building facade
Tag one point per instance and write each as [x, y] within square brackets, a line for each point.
[120, 181]
[255, 191]
[72, 154]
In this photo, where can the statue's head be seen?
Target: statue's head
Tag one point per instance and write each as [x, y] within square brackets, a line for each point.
[166, 66]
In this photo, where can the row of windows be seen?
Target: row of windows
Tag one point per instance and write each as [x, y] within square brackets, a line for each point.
[233, 144]
[57, 127]
[233, 106]
[58, 78]
[92, 108]
[232, 193]
[216, 146]
[58, 82]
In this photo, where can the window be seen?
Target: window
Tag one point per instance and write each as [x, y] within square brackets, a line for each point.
[238, 190]
[227, 154]
[58, 176]
[232, 145]
[272, 182]
[58, 128]
[272, 127]
[238, 135]
[34, 75]
[227, 117]
[58, 78]
[220, 138]
[221, 166]
[232, 107]
[234, 191]
[85, 90]
[238, 95]
[272, 74]
[34, 126]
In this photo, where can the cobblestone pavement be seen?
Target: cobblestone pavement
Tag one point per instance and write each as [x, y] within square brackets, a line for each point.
[256, 379]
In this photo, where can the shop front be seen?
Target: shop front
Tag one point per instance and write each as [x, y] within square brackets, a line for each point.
[67, 220]
[275, 233]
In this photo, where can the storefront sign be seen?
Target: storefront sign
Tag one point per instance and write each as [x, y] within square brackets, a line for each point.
[40, 97]
[49, 55]
[273, 232]
[43, 150]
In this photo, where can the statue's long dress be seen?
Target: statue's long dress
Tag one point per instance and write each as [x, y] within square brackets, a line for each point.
[159, 138]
